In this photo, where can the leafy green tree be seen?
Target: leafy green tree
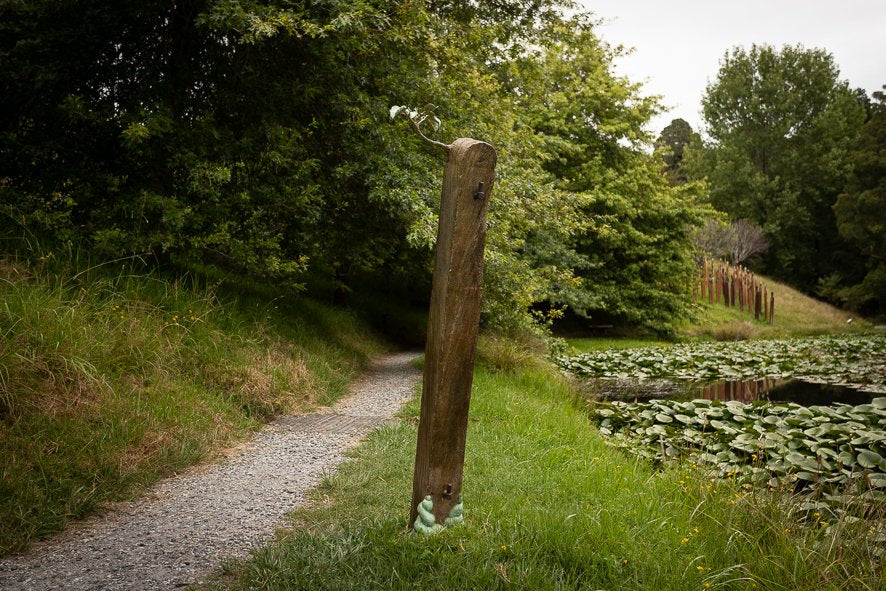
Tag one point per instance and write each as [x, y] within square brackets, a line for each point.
[781, 125]
[861, 211]
[672, 142]
[633, 256]
[252, 135]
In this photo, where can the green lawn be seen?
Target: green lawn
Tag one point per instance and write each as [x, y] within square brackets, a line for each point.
[797, 315]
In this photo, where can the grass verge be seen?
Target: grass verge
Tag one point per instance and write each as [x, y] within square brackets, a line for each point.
[796, 315]
[109, 382]
[549, 505]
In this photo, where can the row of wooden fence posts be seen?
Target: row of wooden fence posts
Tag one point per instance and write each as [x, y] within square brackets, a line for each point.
[735, 286]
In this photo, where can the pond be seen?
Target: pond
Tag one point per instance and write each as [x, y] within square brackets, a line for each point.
[857, 362]
[807, 416]
[798, 391]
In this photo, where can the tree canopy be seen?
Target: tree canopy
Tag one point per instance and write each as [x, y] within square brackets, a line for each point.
[673, 141]
[861, 211]
[781, 125]
[253, 136]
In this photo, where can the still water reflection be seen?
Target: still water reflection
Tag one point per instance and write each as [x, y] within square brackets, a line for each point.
[798, 391]
[793, 390]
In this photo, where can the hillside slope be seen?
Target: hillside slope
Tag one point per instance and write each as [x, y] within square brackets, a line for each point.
[109, 382]
[796, 314]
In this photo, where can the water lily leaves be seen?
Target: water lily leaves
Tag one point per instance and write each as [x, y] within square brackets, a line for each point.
[822, 452]
[857, 361]
[869, 459]
[795, 458]
[721, 426]
[862, 439]
[656, 430]
[826, 451]
[820, 449]
[846, 458]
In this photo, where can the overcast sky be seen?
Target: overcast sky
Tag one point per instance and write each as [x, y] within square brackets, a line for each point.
[678, 44]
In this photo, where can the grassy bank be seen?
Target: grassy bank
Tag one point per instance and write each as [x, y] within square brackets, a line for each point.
[796, 314]
[112, 380]
[549, 505]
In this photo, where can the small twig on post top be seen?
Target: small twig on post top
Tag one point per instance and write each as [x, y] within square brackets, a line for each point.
[417, 130]
[416, 118]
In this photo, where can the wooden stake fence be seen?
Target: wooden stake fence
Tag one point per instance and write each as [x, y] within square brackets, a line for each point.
[735, 286]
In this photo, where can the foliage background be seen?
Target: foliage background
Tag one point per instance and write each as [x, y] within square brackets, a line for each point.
[251, 136]
[792, 148]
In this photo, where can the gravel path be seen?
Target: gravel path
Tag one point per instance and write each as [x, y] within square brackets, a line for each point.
[186, 525]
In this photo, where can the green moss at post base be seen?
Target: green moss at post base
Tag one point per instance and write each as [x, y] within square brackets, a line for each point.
[426, 523]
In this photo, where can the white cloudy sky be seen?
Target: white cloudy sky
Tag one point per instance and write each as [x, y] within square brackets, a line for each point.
[678, 44]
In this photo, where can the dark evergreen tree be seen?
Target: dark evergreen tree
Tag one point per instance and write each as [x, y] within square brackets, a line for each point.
[861, 211]
[671, 143]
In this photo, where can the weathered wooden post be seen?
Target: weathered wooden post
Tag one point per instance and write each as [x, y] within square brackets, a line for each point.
[771, 307]
[765, 303]
[752, 280]
[704, 279]
[727, 291]
[452, 333]
[758, 301]
[453, 322]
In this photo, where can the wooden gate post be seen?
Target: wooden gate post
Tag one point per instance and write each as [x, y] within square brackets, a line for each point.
[452, 332]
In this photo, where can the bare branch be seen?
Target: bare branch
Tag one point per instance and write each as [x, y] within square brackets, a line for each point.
[739, 240]
[746, 239]
[417, 130]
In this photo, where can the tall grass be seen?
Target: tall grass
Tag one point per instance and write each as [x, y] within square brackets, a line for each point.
[111, 378]
[796, 314]
[549, 505]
